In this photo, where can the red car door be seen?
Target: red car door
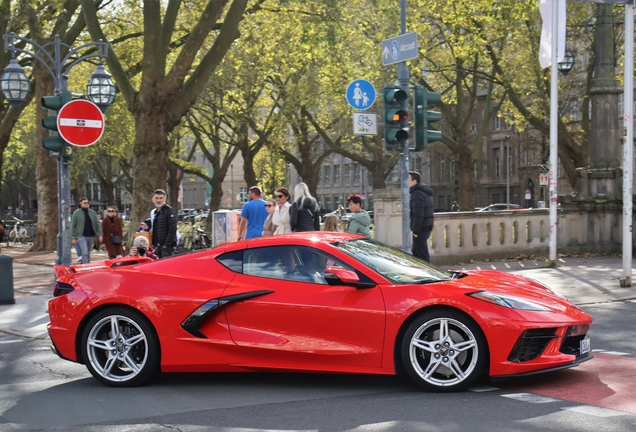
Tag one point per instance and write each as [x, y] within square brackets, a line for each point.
[305, 320]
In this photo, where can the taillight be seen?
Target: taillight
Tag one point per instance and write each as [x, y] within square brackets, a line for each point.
[62, 289]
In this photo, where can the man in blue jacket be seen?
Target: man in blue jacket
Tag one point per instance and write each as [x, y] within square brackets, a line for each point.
[421, 215]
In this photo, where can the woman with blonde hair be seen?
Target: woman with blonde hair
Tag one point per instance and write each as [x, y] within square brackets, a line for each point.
[268, 226]
[331, 223]
[304, 211]
[281, 214]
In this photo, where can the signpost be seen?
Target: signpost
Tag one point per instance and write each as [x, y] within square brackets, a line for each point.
[80, 122]
[360, 94]
[365, 124]
[400, 48]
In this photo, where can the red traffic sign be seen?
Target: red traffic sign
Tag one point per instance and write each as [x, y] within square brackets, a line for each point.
[80, 122]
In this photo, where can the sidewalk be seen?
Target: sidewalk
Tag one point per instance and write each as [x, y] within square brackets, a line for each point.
[584, 281]
[33, 282]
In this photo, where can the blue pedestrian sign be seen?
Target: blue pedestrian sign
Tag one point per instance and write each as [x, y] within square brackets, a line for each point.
[360, 94]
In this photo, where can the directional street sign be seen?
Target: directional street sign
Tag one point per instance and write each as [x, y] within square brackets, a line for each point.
[80, 122]
[365, 124]
[399, 48]
[360, 94]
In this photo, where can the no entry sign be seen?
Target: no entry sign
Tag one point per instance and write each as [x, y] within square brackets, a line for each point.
[80, 122]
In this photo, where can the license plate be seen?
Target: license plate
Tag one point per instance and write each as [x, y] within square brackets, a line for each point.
[585, 346]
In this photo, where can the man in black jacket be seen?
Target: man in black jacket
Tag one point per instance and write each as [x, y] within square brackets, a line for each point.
[164, 225]
[421, 215]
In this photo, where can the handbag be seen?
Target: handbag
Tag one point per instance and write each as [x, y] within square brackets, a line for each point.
[116, 240]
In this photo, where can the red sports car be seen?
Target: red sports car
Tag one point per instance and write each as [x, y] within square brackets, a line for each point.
[324, 302]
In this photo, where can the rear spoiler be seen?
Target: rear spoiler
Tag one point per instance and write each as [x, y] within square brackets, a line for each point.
[61, 269]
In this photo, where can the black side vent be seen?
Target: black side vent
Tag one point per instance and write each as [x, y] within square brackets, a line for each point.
[62, 289]
[531, 344]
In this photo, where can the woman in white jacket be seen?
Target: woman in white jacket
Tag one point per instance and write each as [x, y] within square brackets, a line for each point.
[281, 213]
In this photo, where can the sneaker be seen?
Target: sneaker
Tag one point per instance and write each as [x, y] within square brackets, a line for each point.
[79, 260]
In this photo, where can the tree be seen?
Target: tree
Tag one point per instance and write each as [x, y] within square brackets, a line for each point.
[175, 64]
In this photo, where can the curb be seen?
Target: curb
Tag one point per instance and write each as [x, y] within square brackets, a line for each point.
[22, 335]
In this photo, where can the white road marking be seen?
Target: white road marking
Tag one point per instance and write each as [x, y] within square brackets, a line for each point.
[616, 353]
[480, 389]
[596, 411]
[529, 397]
[11, 341]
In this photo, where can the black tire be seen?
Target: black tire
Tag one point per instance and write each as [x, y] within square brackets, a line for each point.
[442, 362]
[129, 358]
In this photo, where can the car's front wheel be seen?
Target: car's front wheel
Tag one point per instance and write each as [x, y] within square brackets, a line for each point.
[120, 348]
[444, 350]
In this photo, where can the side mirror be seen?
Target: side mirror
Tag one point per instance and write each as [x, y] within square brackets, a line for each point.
[346, 276]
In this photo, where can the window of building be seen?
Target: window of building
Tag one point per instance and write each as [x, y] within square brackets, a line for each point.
[475, 170]
[473, 127]
[356, 173]
[453, 170]
[336, 173]
[395, 173]
[621, 105]
[442, 169]
[497, 163]
[497, 123]
[326, 174]
[327, 202]
[574, 111]
[243, 195]
[347, 173]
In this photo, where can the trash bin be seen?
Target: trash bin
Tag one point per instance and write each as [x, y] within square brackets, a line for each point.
[6, 280]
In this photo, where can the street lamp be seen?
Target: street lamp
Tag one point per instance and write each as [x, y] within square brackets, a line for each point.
[568, 62]
[15, 87]
[101, 89]
[15, 84]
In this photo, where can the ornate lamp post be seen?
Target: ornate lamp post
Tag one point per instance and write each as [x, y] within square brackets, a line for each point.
[568, 62]
[101, 90]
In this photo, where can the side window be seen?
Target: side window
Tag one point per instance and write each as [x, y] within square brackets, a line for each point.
[232, 260]
[295, 263]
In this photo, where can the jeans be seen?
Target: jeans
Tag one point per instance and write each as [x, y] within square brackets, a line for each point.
[86, 244]
[420, 244]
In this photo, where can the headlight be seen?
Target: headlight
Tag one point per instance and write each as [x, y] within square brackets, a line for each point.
[508, 301]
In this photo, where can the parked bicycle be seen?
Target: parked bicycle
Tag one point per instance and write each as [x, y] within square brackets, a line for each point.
[19, 233]
[194, 239]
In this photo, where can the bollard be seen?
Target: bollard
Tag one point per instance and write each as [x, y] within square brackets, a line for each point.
[6, 280]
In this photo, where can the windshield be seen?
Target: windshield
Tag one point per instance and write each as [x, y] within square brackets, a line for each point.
[394, 264]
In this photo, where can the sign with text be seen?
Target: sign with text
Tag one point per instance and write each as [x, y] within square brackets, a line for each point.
[400, 48]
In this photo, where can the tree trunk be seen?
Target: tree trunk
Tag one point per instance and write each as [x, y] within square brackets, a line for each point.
[150, 162]
[174, 182]
[45, 174]
[465, 168]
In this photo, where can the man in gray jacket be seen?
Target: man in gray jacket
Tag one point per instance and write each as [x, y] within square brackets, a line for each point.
[421, 215]
[85, 225]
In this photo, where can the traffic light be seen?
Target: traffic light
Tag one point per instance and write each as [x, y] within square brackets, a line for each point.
[54, 142]
[396, 119]
[423, 118]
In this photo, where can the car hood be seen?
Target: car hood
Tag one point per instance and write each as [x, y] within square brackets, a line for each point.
[515, 285]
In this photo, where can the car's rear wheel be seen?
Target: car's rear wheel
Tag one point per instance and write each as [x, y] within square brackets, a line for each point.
[120, 348]
[444, 350]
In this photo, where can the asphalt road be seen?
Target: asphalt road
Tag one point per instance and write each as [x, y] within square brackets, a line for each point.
[39, 391]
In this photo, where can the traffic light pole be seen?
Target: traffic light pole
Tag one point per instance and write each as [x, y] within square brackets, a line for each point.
[63, 238]
[59, 67]
[403, 79]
